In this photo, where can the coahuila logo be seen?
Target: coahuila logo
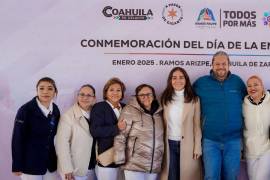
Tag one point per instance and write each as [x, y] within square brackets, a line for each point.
[127, 14]
[266, 19]
[172, 14]
[206, 18]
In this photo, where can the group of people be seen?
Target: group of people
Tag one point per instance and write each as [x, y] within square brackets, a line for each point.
[147, 138]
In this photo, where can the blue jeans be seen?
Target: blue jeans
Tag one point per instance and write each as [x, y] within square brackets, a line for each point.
[221, 160]
[174, 170]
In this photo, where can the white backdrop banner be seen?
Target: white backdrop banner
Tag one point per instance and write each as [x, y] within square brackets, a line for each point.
[78, 42]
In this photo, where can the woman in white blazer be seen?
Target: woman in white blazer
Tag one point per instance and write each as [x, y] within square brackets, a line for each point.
[256, 112]
[75, 146]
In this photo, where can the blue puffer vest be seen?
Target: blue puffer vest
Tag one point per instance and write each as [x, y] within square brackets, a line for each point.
[221, 106]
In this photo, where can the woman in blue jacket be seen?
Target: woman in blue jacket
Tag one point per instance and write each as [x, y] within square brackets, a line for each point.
[33, 152]
[104, 126]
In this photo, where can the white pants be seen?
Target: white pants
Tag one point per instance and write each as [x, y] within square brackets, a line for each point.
[89, 176]
[133, 175]
[259, 168]
[47, 176]
[105, 173]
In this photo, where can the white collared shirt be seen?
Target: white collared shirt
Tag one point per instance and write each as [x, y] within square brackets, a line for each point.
[85, 113]
[44, 110]
[115, 110]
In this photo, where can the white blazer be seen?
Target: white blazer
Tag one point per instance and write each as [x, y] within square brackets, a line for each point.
[256, 129]
[73, 143]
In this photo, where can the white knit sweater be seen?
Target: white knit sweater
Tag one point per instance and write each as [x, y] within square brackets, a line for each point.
[257, 123]
[175, 116]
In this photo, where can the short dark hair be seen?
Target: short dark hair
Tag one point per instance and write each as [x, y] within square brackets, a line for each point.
[49, 80]
[139, 88]
[220, 53]
[110, 82]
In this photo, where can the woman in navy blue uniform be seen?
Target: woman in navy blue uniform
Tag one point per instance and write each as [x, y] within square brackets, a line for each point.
[33, 152]
[104, 126]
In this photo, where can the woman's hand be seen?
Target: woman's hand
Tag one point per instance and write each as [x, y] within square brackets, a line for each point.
[122, 124]
[17, 173]
[196, 156]
[69, 176]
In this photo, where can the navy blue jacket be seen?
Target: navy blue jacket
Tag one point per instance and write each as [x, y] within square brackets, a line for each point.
[103, 125]
[221, 106]
[33, 149]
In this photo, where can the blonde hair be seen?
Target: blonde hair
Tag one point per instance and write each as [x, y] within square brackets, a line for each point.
[256, 77]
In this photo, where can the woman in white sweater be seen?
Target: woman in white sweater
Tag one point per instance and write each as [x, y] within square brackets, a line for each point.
[75, 146]
[182, 128]
[256, 111]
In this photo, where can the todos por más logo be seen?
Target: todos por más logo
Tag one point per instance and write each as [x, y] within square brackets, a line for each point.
[127, 14]
[238, 18]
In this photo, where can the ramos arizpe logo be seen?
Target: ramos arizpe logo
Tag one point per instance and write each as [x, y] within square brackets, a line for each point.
[206, 18]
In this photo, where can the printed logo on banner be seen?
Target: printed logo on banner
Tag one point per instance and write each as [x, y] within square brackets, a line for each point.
[127, 14]
[172, 14]
[266, 19]
[243, 19]
[206, 18]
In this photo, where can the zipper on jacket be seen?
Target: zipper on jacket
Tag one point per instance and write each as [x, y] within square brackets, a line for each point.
[154, 142]
[134, 146]
[226, 125]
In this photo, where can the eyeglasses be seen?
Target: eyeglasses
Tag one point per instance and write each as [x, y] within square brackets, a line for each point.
[145, 95]
[86, 95]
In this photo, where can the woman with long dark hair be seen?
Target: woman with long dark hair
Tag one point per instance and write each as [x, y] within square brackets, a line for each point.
[183, 132]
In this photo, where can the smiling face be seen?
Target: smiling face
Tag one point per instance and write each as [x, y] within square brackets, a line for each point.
[86, 98]
[220, 67]
[114, 94]
[178, 81]
[45, 92]
[255, 88]
[146, 97]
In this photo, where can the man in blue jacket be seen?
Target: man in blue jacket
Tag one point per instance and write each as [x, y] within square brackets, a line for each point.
[221, 94]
